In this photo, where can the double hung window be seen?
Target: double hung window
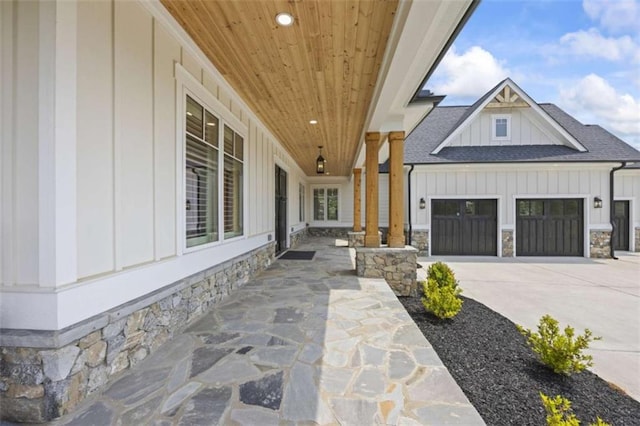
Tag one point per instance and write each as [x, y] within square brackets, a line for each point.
[213, 177]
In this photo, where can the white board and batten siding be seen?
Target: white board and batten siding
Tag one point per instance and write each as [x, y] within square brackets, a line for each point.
[507, 183]
[526, 129]
[627, 187]
[127, 152]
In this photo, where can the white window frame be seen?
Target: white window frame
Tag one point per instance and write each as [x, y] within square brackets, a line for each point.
[494, 121]
[186, 84]
[313, 200]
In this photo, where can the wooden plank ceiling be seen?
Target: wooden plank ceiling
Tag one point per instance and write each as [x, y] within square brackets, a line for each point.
[324, 67]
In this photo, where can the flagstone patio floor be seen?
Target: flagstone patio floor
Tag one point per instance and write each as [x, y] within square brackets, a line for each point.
[305, 342]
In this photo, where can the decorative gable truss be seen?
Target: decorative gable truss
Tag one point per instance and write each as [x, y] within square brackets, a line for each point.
[507, 99]
[506, 115]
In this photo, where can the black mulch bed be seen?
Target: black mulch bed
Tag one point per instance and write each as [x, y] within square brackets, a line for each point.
[501, 376]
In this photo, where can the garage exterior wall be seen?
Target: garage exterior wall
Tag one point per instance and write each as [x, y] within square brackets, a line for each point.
[507, 183]
[627, 187]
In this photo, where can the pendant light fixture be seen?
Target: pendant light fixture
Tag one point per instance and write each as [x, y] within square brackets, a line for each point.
[320, 162]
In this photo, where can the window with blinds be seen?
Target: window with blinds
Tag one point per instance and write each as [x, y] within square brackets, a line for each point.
[201, 175]
[233, 177]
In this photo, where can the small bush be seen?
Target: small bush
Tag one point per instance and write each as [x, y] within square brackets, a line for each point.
[442, 274]
[559, 412]
[561, 352]
[441, 291]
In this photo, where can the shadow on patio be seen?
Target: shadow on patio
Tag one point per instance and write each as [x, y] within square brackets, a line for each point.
[306, 341]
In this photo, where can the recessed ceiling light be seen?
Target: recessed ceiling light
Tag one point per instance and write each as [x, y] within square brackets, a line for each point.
[189, 114]
[285, 19]
[313, 121]
[211, 124]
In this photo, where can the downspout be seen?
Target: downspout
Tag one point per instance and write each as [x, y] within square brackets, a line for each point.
[612, 210]
[408, 237]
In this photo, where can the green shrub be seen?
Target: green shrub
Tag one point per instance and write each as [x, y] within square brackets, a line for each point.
[441, 291]
[559, 412]
[442, 274]
[561, 352]
[443, 302]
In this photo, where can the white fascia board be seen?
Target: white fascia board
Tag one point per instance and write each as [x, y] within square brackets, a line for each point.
[420, 32]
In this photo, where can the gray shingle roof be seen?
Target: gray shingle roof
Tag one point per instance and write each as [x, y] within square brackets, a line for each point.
[432, 131]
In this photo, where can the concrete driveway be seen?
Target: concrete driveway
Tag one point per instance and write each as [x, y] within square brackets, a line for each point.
[600, 294]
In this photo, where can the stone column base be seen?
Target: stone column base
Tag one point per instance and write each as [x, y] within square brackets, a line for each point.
[396, 265]
[356, 239]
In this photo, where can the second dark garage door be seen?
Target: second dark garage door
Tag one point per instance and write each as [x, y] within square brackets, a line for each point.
[549, 227]
[464, 227]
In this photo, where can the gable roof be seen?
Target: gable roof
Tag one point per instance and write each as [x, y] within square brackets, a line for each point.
[475, 109]
[599, 144]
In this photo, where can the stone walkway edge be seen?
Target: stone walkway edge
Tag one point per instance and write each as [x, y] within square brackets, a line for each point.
[305, 342]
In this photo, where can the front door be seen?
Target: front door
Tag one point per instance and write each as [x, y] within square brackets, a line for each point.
[621, 220]
[281, 210]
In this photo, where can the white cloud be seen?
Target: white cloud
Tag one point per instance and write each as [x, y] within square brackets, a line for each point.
[593, 98]
[592, 43]
[614, 15]
[470, 74]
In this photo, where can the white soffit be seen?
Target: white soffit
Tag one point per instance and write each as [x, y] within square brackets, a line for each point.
[421, 32]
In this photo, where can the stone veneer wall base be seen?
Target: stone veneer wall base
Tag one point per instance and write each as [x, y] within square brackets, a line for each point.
[328, 231]
[296, 238]
[45, 374]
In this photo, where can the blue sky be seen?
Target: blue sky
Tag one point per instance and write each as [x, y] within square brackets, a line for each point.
[582, 55]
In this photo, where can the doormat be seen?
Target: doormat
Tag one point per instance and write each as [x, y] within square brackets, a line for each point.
[298, 255]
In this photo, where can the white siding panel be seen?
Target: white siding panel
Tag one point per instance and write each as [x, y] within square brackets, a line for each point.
[25, 148]
[253, 180]
[133, 134]
[210, 84]
[511, 184]
[383, 199]
[95, 140]
[166, 53]
[191, 65]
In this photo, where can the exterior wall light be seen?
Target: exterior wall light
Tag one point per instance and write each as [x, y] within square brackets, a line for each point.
[423, 204]
[597, 202]
[320, 163]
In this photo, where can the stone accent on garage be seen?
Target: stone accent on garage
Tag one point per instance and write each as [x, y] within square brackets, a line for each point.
[637, 240]
[45, 374]
[600, 243]
[507, 243]
[396, 265]
[420, 240]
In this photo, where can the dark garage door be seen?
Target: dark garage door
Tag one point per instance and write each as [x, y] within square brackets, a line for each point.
[549, 227]
[463, 227]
